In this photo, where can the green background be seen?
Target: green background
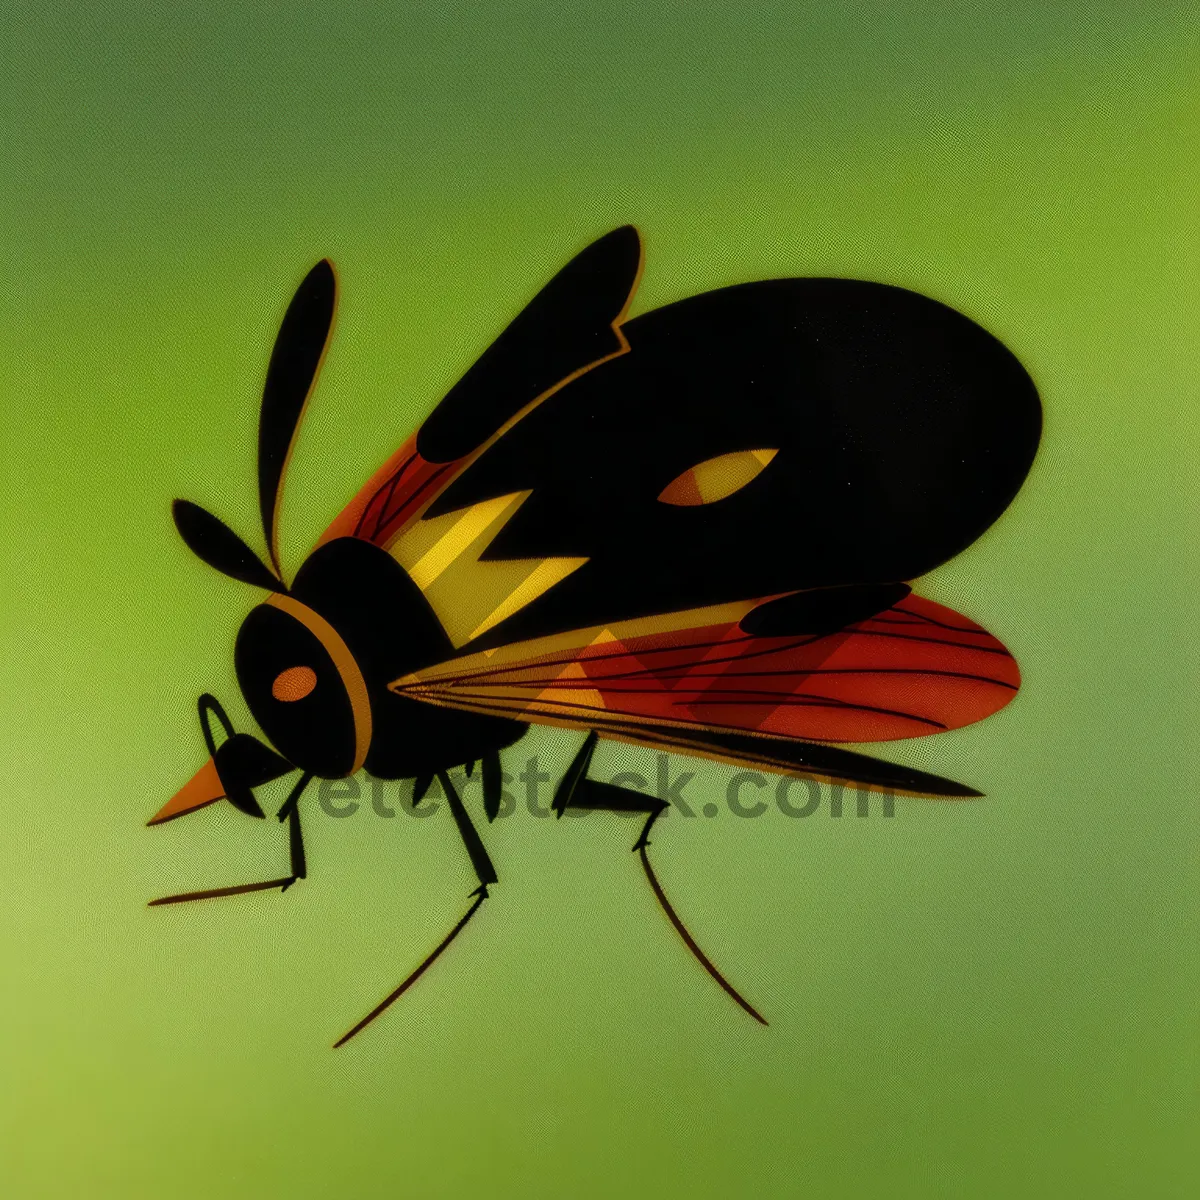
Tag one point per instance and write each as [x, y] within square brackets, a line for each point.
[995, 998]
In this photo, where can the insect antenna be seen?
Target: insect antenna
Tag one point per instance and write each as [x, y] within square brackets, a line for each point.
[291, 375]
[295, 360]
[213, 542]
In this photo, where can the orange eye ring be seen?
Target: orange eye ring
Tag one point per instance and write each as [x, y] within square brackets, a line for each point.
[294, 684]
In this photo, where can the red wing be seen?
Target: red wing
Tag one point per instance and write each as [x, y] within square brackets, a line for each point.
[401, 488]
[913, 669]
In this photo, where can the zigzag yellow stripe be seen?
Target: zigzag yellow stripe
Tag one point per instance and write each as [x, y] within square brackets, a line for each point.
[442, 557]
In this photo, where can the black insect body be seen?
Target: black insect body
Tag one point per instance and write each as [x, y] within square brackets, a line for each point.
[691, 530]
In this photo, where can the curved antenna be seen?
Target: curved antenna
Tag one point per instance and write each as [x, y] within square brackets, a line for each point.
[299, 349]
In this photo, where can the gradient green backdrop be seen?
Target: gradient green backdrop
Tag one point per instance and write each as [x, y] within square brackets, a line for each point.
[988, 999]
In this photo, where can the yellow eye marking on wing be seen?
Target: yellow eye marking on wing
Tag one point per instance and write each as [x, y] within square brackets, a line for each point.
[442, 557]
[716, 478]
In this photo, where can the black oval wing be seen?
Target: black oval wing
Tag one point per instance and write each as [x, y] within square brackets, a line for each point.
[902, 431]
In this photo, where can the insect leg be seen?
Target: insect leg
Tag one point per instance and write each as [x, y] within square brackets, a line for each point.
[640, 847]
[574, 773]
[577, 791]
[290, 812]
[485, 872]
[493, 785]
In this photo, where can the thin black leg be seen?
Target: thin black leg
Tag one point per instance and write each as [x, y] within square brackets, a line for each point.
[289, 812]
[640, 846]
[480, 895]
[471, 839]
[575, 772]
[485, 872]
[577, 791]
[493, 785]
[295, 847]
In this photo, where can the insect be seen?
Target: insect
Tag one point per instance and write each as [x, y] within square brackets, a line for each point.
[691, 530]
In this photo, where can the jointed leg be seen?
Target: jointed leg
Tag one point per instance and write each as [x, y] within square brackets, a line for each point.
[578, 791]
[485, 872]
[290, 812]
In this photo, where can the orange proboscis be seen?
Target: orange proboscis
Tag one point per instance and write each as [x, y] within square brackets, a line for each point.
[205, 787]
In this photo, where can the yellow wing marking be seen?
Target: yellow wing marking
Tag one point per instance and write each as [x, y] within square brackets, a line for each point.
[442, 557]
[716, 478]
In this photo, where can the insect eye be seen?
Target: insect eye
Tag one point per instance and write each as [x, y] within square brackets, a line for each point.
[294, 684]
[715, 478]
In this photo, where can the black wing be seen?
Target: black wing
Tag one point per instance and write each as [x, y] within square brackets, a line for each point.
[569, 325]
[900, 429]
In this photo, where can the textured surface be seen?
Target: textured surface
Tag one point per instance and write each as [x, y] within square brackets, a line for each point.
[991, 998]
